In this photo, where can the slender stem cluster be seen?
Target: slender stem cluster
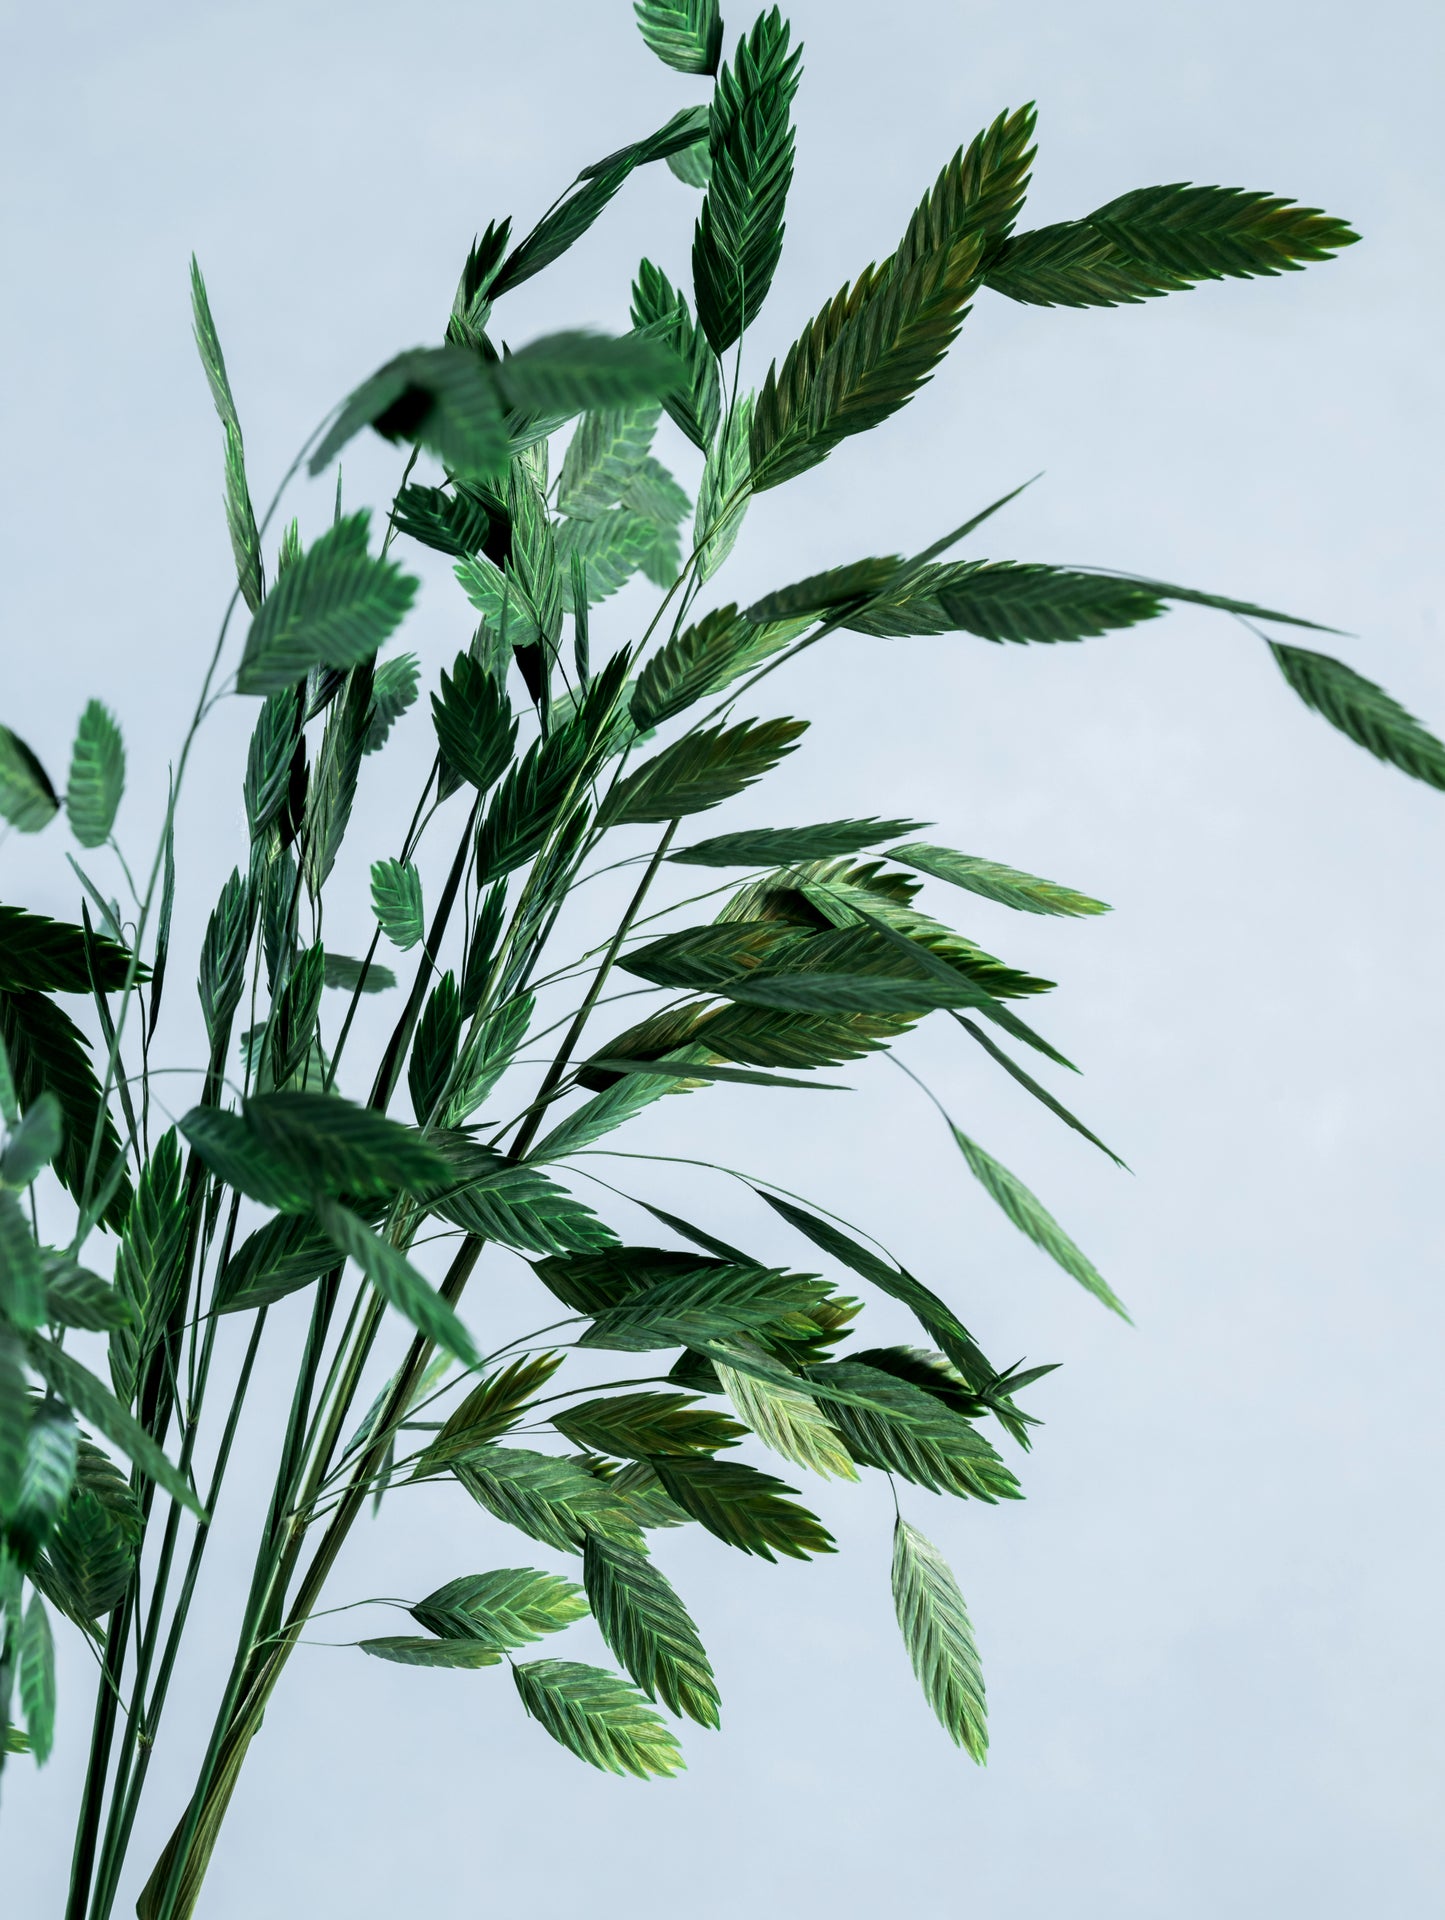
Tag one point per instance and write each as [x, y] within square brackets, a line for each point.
[275, 1183]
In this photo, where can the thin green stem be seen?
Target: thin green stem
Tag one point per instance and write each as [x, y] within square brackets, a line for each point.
[250, 1686]
[389, 1071]
[301, 1433]
[119, 1832]
[157, 864]
[82, 1865]
[558, 1067]
[261, 1653]
[712, 1166]
[409, 844]
[605, 1386]
[138, 1728]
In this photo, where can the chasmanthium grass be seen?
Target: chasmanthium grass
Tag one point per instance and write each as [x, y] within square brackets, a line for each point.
[566, 742]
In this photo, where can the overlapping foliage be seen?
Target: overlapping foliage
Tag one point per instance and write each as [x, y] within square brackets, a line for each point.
[290, 1176]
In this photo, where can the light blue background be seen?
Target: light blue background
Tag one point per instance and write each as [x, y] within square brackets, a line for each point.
[1211, 1634]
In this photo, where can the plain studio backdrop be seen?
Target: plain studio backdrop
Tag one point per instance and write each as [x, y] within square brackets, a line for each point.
[1210, 1632]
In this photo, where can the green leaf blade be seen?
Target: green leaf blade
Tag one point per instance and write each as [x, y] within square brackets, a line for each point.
[739, 234]
[782, 846]
[1363, 712]
[710, 1301]
[240, 515]
[397, 1281]
[722, 499]
[484, 1061]
[566, 373]
[434, 1051]
[222, 975]
[150, 1266]
[899, 1427]
[34, 1143]
[598, 1717]
[788, 1422]
[91, 1555]
[475, 727]
[551, 1499]
[14, 1422]
[660, 310]
[411, 1652]
[1040, 1093]
[702, 659]
[323, 1143]
[397, 903]
[333, 608]
[933, 1313]
[288, 1253]
[1159, 240]
[52, 957]
[47, 1477]
[393, 690]
[635, 1426]
[38, 954]
[454, 524]
[516, 1205]
[37, 1678]
[269, 761]
[939, 1637]
[705, 1072]
[97, 776]
[22, 1276]
[744, 1508]
[700, 771]
[98, 1407]
[685, 34]
[443, 398]
[611, 546]
[1034, 1220]
[825, 593]
[595, 187]
[77, 1298]
[993, 881]
[27, 798]
[357, 976]
[603, 456]
[493, 1407]
[879, 340]
[208, 345]
[508, 1607]
[48, 1053]
[847, 993]
[649, 1630]
[1004, 600]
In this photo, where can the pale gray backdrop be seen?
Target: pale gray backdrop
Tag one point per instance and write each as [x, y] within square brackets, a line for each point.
[1211, 1633]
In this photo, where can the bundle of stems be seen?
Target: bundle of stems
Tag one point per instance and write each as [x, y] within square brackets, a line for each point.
[556, 759]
